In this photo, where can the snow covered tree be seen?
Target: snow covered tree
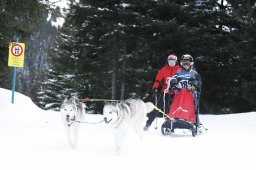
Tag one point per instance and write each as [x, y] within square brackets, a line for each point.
[60, 76]
[18, 19]
[113, 49]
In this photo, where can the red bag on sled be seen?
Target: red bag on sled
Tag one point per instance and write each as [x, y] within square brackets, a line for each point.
[183, 106]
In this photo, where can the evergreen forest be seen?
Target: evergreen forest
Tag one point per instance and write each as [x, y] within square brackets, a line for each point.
[113, 49]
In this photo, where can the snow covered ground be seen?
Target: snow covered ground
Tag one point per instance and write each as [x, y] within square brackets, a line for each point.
[34, 139]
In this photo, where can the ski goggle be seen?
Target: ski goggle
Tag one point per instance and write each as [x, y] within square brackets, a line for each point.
[171, 61]
[186, 63]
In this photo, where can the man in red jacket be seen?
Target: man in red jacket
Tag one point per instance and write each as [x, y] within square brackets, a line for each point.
[168, 70]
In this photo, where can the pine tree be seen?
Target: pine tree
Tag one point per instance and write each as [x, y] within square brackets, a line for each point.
[60, 76]
[18, 19]
[244, 60]
[32, 75]
[113, 49]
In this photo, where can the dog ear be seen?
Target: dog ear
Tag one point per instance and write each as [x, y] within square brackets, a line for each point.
[76, 101]
[72, 98]
[65, 100]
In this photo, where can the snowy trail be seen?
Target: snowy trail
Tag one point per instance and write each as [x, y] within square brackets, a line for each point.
[31, 138]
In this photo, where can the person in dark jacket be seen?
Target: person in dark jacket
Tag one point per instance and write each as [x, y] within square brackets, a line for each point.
[188, 78]
[168, 70]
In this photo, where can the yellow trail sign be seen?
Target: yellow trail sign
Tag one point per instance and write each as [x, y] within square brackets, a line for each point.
[16, 54]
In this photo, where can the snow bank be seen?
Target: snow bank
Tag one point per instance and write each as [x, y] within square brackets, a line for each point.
[32, 138]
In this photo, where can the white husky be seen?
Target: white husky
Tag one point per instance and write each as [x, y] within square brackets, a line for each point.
[72, 111]
[129, 113]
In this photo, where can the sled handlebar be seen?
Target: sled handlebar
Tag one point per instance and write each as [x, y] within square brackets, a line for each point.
[173, 81]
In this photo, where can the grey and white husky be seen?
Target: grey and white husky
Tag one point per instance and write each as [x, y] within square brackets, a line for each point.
[128, 113]
[72, 111]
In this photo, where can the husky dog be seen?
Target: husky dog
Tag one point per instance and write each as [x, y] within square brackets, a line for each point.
[128, 113]
[72, 111]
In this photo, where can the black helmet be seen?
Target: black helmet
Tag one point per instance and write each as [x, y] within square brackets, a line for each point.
[186, 57]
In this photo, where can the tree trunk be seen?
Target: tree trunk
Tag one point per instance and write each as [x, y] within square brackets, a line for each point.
[114, 68]
[123, 74]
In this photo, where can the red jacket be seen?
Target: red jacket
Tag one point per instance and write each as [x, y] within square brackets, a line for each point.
[162, 75]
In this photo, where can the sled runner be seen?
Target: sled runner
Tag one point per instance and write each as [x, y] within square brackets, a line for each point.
[181, 114]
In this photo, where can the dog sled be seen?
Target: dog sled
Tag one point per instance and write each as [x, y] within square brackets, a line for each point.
[182, 113]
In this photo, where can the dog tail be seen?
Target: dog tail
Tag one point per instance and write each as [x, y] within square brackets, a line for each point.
[149, 107]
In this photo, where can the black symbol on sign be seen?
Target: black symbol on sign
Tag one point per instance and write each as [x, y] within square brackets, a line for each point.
[16, 50]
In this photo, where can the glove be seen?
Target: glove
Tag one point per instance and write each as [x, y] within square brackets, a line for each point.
[191, 88]
[173, 81]
[155, 91]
